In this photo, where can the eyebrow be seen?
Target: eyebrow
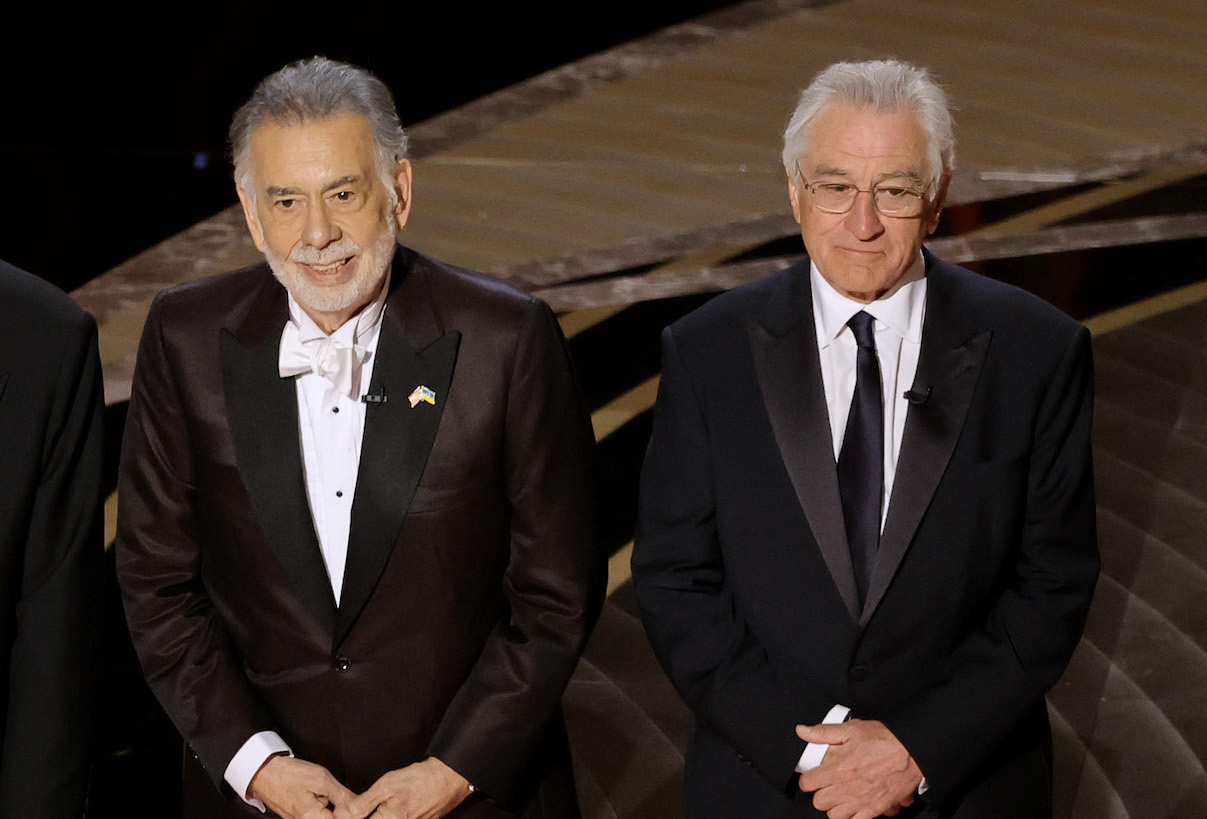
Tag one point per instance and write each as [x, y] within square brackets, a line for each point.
[275, 190]
[826, 170]
[343, 180]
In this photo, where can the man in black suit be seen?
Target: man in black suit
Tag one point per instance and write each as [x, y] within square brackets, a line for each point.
[356, 535]
[50, 545]
[866, 542]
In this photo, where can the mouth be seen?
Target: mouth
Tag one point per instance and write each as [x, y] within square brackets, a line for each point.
[328, 271]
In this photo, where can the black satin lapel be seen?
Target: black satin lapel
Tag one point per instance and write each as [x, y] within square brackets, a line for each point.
[394, 451]
[789, 373]
[931, 431]
[262, 410]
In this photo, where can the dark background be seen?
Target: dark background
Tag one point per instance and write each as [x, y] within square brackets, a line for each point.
[113, 131]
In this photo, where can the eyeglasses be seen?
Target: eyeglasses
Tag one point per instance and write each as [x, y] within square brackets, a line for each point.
[890, 200]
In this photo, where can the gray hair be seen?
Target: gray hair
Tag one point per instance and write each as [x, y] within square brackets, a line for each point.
[315, 89]
[884, 86]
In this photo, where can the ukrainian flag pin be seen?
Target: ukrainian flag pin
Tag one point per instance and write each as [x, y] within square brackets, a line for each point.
[422, 393]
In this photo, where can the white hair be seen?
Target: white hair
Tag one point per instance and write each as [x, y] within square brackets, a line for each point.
[884, 86]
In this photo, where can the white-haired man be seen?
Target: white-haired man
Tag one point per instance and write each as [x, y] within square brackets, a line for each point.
[356, 537]
[866, 541]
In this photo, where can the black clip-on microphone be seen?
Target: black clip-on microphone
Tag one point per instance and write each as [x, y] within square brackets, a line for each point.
[379, 398]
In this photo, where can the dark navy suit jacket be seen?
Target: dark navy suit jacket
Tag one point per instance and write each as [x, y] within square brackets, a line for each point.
[986, 564]
[50, 546]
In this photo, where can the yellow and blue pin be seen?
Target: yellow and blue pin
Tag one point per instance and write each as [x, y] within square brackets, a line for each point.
[424, 394]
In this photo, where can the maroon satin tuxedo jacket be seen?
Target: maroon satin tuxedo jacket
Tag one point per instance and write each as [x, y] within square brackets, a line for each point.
[473, 577]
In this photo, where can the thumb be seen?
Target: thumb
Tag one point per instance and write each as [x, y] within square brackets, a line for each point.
[823, 734]
[350, 806]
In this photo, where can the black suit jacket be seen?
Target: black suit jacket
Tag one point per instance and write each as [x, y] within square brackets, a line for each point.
[472, 578]
[986, 564]
[50, 545]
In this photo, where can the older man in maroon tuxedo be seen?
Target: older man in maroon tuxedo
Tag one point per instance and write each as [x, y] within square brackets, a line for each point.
[356, 530]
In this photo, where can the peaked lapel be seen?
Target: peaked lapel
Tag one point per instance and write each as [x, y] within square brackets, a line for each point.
[262, 411]
[949, 364]
[784, 344]
[413, 350]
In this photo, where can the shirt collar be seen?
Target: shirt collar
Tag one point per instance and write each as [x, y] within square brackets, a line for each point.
[901, 309]
[361, 329]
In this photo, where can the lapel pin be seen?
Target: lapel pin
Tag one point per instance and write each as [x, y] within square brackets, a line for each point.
[422, 393]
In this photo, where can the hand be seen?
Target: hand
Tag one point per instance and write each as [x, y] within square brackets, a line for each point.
[866, 772]
[424, 790]
[295, 789]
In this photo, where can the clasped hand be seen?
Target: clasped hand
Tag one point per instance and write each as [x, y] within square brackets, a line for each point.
[866, 772]
[296, 789]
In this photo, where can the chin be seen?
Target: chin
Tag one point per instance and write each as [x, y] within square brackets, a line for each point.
[369, 270]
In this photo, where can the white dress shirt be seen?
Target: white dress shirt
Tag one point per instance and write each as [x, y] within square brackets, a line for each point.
[331, 425]
[898, 331]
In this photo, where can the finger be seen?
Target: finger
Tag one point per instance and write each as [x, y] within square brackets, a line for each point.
[842, 811]
[356, 807]
[338, 794]
[814, 780]
[868, 813]
[313, 812]
[824, 800]
[389, 809]
[824, 734]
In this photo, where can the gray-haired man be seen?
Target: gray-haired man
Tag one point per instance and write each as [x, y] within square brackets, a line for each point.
[868, 494]
[356, 540]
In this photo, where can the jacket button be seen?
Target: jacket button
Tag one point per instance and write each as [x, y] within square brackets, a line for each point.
[859, 673]
[342, 663]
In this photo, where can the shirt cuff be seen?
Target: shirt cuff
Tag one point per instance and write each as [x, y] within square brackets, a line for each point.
[815, 752]
[245, 764]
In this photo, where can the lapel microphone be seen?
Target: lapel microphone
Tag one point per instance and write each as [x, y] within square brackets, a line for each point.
[917, 397]
[378, 398]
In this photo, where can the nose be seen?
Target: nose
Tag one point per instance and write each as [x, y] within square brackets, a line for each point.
[320, 230]
[863, 220]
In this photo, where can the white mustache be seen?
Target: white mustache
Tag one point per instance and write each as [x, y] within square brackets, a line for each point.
[308, 254]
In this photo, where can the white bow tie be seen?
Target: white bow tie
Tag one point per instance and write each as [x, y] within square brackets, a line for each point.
[334, 361]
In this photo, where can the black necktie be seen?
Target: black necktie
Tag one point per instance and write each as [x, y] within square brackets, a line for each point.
[861, 462]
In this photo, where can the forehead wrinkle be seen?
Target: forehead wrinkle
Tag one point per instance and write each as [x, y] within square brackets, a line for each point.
[308, 151]
[863, 139]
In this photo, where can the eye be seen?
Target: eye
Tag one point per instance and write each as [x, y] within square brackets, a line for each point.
[837, 188]
[285, 204]
[893, 192]
[344, 196]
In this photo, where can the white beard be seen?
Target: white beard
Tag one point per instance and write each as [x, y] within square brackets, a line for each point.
[371, 267]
